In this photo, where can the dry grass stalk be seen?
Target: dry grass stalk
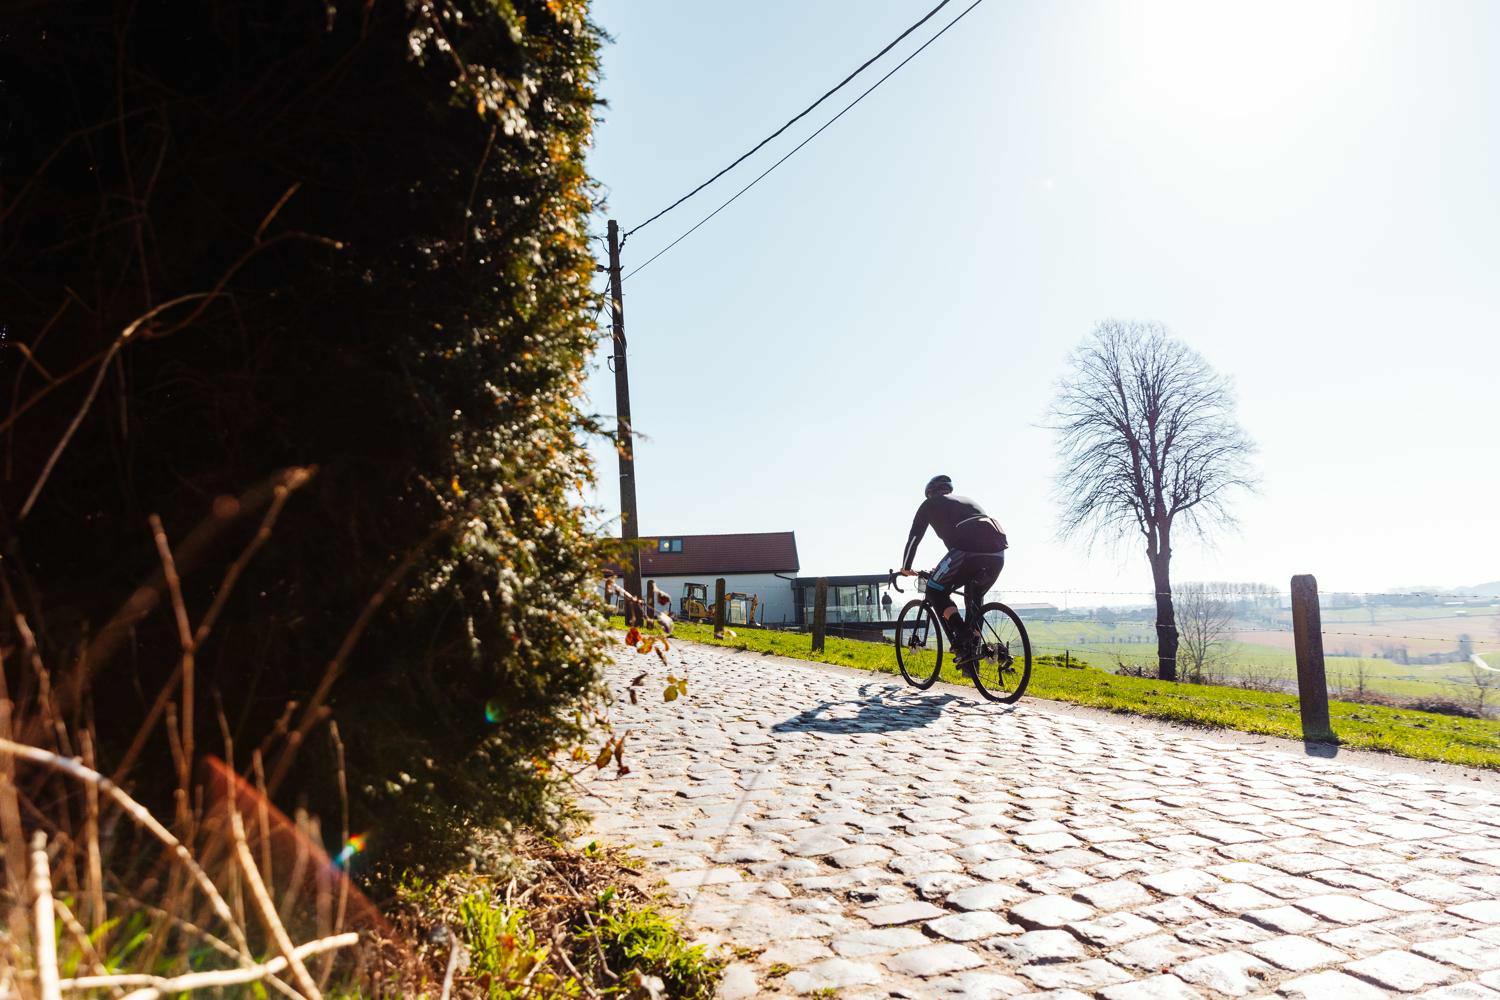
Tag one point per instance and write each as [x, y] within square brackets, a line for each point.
[80, 937]
[185, 638]
[266, 908]
[118, 630]
[299, 864]
[290, 481]
[153, 987]
[11, 835]
[263, 815]
[98, 913]
[41, 729]
[46, 943]
[179, 923]
[342, 906]
[143, 818]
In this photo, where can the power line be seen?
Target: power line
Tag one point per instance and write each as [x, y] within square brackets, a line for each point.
[804, 142]
[802, 114]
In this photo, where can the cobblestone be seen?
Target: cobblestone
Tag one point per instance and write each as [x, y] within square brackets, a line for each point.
[1460, 991]
[1297, 954]
[935, 960]
[1116, 895]
[1040, 947]
[1155, 988]
[883, 842]
[1088, 975]
[1113, 929]
[1328, 985]
[832, 974]
[900, 913]
[1180, 882]
[1286, 919]
[1049, 911]
[1343, 909]
[1465, 952]
[1401, 970]
[1484, 911]
[989, 896]
[1234, 973]
[971, 926]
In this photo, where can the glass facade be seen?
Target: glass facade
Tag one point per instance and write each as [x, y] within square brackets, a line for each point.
[851, 602]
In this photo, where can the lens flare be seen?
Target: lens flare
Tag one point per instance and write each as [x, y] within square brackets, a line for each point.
[354, 845]
[493, 710]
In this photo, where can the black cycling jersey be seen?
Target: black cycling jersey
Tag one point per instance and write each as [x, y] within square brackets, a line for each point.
[960, 522]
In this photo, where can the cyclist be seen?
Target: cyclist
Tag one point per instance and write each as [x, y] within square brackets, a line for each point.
[976, 555]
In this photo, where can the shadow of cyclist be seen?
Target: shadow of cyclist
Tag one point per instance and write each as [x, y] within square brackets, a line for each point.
[874, 711]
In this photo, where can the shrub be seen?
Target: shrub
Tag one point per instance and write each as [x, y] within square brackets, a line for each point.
[242, 236]
[642, 939]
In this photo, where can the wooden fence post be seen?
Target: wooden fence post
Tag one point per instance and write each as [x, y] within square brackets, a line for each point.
[1312, 681]
[820, 613]
[719, 608]
[650, 600]
[629, 606]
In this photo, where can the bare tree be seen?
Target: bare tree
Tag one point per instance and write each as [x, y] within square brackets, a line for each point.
[1205, 622]
[1355, 687]
[1147, 435]
[1480, 687]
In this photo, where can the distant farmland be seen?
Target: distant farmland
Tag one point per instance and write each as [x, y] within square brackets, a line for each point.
[1261, 653]
[1351, 632]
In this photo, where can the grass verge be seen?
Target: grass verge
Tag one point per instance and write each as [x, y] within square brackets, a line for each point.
[563, 923]
[1421, 735]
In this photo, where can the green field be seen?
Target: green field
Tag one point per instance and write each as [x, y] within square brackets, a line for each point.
[1422, 735]
[1263, 665]
[1382, 614]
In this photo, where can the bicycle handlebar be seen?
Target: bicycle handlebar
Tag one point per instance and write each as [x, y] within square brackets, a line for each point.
[895, 576]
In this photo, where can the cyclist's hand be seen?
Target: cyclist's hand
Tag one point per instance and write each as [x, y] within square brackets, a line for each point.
[907, 572]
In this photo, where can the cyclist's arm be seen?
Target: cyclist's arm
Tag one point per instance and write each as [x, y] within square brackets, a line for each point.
[918, 529]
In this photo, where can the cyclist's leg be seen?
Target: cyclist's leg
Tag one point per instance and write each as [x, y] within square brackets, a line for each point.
[984, 571]
[943, 580]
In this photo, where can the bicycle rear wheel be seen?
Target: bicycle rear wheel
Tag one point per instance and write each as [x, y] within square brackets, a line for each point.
[919, 644]
[1003, 667]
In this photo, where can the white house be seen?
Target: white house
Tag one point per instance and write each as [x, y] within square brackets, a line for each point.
[762, 564]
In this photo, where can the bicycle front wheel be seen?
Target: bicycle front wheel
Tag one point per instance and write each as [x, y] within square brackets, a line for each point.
[1003, 668]
[919, 644]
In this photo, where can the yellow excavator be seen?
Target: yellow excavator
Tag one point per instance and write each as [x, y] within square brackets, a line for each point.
[739, 609]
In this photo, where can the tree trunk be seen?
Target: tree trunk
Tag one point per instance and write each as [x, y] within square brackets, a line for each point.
[1166, 617]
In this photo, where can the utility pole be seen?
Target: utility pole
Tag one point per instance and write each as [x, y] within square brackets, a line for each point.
[630, 528]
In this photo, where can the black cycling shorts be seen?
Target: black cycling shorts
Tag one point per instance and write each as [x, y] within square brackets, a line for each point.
[976, 572]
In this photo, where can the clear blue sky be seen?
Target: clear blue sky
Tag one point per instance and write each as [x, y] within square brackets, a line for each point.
[1305, 193]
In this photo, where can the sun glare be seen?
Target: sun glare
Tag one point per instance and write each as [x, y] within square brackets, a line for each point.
[1232, 65]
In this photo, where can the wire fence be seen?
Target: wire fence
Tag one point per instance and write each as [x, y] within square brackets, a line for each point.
[1384, 595]
[1253, 644]
[1249, 641]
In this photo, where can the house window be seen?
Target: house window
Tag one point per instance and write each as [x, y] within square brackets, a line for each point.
[669, 545]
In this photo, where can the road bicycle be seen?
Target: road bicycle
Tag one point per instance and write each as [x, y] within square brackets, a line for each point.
[1001, 668]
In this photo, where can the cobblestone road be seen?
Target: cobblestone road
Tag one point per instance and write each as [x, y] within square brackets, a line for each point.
[870, 841]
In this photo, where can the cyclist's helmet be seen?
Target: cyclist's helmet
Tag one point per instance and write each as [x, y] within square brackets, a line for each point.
[939, 484]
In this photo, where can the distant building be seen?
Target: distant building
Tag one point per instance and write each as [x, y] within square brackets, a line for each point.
[850, 599]
[762, 564]
[1034, 610]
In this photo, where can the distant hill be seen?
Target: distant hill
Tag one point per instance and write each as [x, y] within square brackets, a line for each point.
[1491, 589]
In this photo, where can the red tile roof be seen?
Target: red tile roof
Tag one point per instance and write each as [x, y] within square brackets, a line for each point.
[717, 555]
